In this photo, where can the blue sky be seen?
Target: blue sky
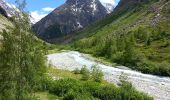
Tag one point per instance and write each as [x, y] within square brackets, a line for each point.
[40, 8]
[33, 5]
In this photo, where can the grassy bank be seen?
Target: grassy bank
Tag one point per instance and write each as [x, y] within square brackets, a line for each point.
[70, 86]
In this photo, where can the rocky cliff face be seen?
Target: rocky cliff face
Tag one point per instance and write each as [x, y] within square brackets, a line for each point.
[109, 7]
[3, 12]
[70, 17]
[7, 9]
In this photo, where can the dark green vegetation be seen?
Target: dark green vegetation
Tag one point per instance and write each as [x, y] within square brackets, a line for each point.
[72, 87]
[96, 74]
[138, 37]
[22, 63]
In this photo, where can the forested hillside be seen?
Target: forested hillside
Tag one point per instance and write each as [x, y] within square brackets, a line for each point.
[137, 36]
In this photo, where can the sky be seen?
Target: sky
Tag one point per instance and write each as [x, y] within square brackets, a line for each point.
[40, 8]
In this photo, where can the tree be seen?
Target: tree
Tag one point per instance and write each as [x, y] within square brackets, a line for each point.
[22, 63]
[97, 74]
[76, 71]
[120, 42]
[85, 73]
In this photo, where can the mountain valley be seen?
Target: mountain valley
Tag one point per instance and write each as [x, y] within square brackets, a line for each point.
[86, 50]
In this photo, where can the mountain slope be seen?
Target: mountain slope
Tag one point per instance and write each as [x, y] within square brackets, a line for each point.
[70, 17]
[136, 35]
[8, 9]
[6, 12]
[4, 22]
[109, 7]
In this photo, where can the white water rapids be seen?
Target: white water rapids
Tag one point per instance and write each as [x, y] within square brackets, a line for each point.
[158, 87]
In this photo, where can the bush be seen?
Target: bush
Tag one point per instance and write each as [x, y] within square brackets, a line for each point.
[70, 89]
[83, 69]
[109, 92]
[63, 86]
[145, 66]
[97, 74]
[163, 69]
[76, 71]
[85, 73]
[128, 92]
[78, 96]
[117, 57]
[154, 68]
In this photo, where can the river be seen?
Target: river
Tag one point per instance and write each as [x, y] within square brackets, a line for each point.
[158, 87]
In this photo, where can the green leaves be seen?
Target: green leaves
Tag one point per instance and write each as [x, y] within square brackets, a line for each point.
[22, 63]
[70, 89]
[97, 74]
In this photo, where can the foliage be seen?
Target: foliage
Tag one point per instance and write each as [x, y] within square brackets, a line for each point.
[85, 73]
[76, 71]
[84, 70]
[70, 89]
[97, 74]
[22, 63]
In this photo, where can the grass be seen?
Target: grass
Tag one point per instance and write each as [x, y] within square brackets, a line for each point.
[63, 73]
[45, 96]
[59, 73]
[71, 87]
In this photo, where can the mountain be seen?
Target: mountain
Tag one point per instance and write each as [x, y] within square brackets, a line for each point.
[109, 7]
[68, 18]
[7, 9]
[136, 35]
[3, 12]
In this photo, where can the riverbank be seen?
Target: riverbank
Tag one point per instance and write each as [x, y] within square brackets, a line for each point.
[158, 87]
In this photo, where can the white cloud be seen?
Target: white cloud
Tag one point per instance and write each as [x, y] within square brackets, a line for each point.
[48, 9]
[36, 16]
[39, 14]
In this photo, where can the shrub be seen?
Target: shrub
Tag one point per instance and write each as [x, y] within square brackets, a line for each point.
[76, 71]
[164, 69]
[108, 92]
[97, 74]
[83, 69]
[128, 92]
[70, 89]
[146, 66]
[63, 86]
[85, 73]
[72, 95]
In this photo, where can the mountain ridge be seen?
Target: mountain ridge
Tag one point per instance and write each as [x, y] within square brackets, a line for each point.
[9, 9]
[69, 17]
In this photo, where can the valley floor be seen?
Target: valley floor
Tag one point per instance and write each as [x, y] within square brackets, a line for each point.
[158, 87]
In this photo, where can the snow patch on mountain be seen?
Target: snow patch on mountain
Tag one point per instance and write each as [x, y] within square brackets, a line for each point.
[79, 25]
[10, 9]
[109, 7]
[93, 5]
[109, 4]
